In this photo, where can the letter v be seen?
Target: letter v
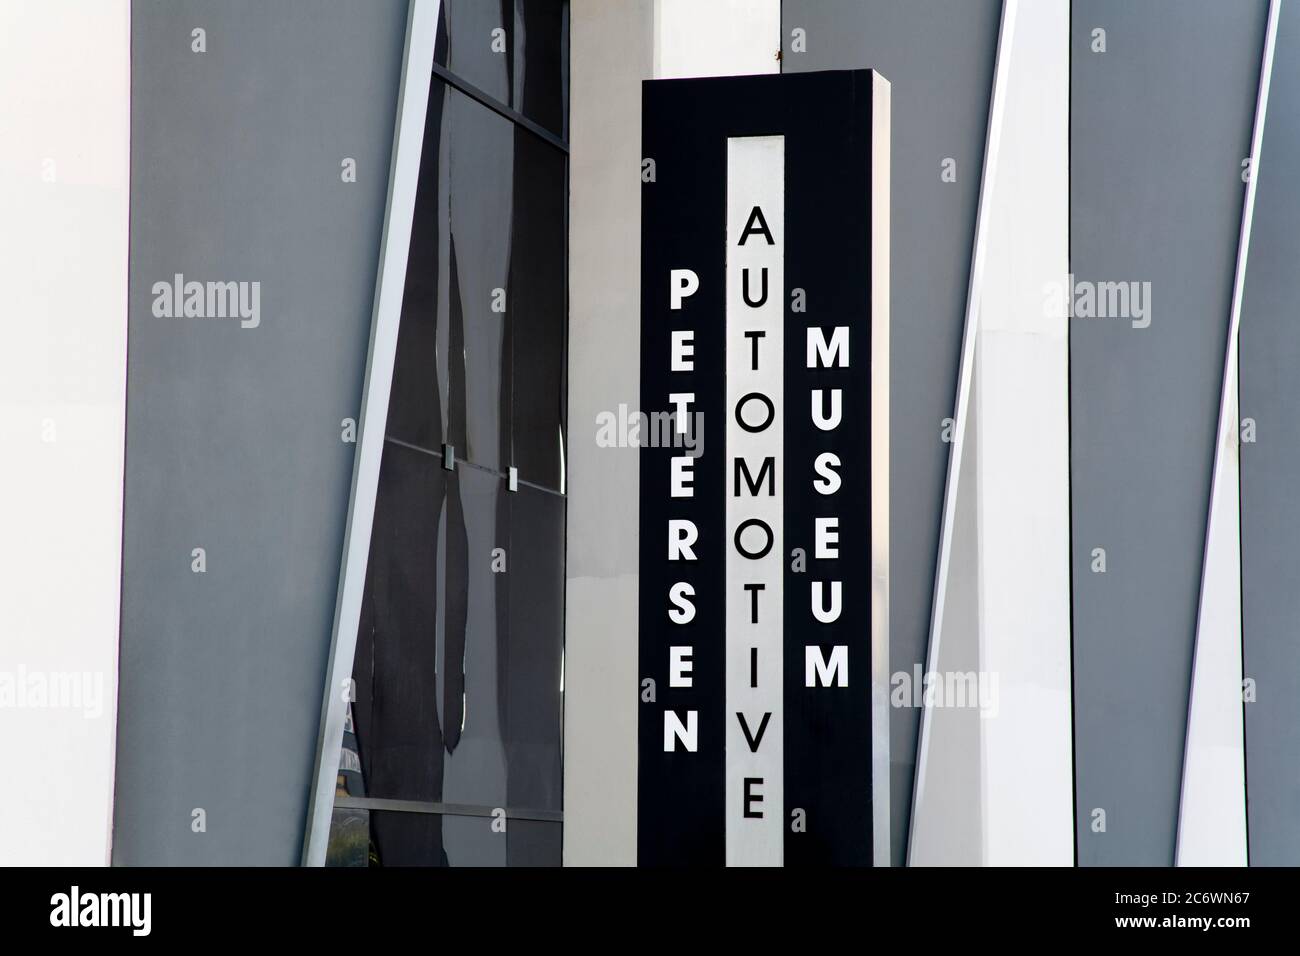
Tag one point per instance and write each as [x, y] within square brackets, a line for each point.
[762, 728]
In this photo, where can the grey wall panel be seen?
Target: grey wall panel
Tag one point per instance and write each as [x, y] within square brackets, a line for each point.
[233, 434]
[938, 56]
[1270, 516]
[1160, 123]
[613, 51]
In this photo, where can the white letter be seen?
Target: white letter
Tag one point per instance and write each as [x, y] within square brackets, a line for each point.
[683, 350]
[679, 401]
[684, 610]
[141, 918]
[820, 419]
[826, 354]
[817, 670]
[682, 282]
[688, 735]
[826, 538]
[819, 609]
[682, 533]
[679, 667]
[682, 476]
[823, 465]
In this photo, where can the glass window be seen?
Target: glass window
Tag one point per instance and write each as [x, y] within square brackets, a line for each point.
[541, 63]
[475, 43]
[459, 654]
[418, 403]
[452, 374]
[535, 588]
[481, 208]
[538, 309]
[397, 838]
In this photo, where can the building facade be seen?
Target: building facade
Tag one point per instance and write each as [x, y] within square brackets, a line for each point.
[321, 547]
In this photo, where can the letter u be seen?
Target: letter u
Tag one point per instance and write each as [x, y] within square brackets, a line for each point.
[820, 611]
[744, 291]
[821, 418]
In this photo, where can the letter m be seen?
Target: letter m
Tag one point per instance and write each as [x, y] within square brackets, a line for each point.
[819, 671]
[222, 299]
[768, 472]
[116, 909]
[825, 354]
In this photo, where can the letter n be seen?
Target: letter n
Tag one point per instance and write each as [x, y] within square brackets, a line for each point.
[674, 731]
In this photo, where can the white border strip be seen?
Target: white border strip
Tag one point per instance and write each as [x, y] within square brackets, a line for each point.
[404, 175]
[1212, 802]
[997, 106]
[881, 139]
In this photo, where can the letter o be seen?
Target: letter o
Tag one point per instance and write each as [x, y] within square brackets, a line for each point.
[740, 407]
[740, 530]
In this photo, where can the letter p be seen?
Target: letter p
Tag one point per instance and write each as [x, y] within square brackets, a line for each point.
[681, 283]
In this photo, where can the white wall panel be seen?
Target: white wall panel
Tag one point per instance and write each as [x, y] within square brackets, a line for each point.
[716, 37]
[1212, 806]
[64, 175]
[1022, 404]
[1002, 603]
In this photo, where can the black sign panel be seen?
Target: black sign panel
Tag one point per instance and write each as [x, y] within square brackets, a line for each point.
[764, 470]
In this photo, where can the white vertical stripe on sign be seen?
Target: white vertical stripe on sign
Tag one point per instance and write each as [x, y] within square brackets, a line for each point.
[753, 462]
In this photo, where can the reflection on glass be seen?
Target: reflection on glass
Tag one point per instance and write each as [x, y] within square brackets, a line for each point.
[395, 838]
[481, 206]
[446, 697]
[541, 63]
[349, 840]
[538, 309]
[417, 405]
[536, 598]
[452, 375]
[477, 45]
[459, 650]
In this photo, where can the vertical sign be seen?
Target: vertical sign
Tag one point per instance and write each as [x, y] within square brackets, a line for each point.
[763, 628]
[755, 406]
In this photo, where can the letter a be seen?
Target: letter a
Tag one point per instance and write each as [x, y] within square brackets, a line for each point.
[756, 225]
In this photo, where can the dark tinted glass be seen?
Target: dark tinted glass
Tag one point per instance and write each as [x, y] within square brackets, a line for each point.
[475, 42]
[451, 379]
[418, 404]
[432, 663]
[459, 654]
[392, 838]
[535, 587]
[541, 63]
[396, 713]
[538, 308]
[481, 205]
[460, 648]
